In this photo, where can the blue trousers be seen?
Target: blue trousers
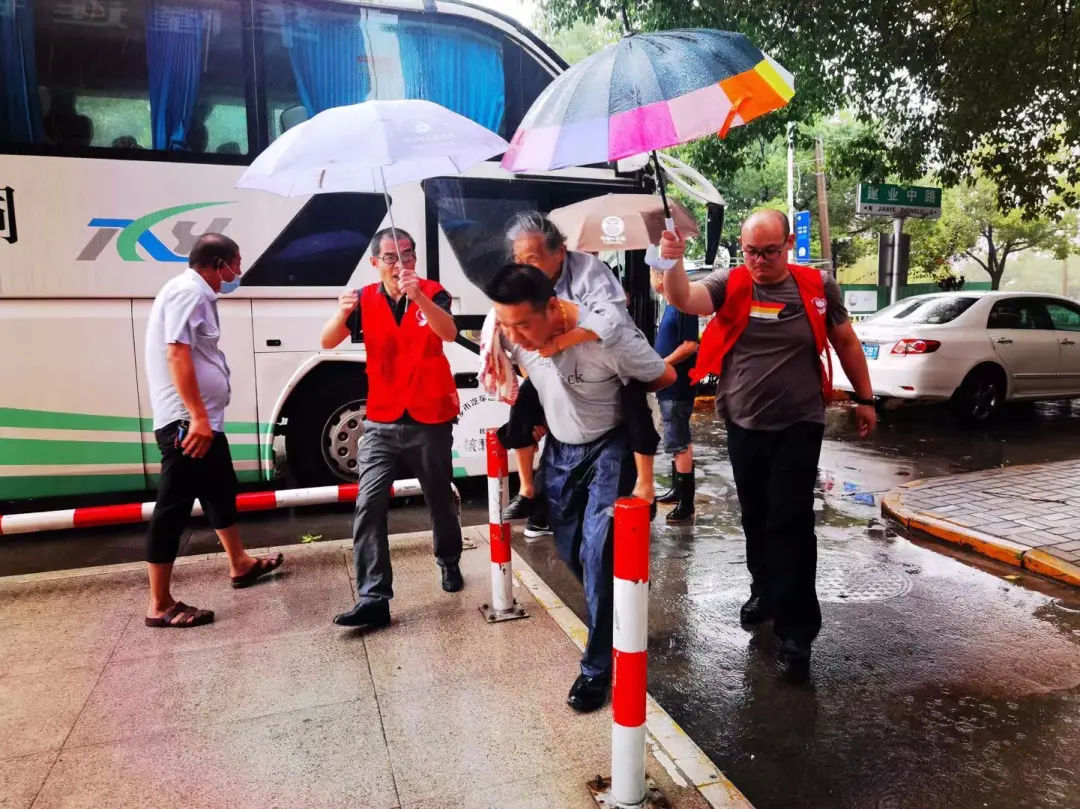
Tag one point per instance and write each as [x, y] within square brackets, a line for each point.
[581, 484]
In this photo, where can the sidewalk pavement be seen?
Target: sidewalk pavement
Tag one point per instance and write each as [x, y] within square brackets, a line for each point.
[272, 706]
[1027, 516]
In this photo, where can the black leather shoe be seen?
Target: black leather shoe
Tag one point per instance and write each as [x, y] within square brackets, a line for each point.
[588, 693]
[755, 610]
[451, 578]
[370, 614]
[519, 508]
[794, 652]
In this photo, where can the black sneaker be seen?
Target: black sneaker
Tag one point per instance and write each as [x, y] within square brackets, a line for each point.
[538, 527]
[519, 508]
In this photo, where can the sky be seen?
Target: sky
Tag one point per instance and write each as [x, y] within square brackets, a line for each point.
[521, 10]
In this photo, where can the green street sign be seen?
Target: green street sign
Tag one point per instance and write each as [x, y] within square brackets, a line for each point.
[898, 200]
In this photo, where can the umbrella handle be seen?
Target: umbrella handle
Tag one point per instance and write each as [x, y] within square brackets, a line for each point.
[652, 254]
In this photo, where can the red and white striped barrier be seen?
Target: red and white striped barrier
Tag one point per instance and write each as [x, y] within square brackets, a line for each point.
[630, 639]
[140, 512]
[503, 606]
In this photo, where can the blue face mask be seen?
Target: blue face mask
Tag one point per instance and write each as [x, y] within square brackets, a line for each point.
[228, 286]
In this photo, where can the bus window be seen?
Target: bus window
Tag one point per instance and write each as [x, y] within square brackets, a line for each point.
[321, 56]
[322, 244]
[166, 75]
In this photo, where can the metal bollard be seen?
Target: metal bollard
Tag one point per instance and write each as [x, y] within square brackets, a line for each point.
[630, 637]
[503, 606]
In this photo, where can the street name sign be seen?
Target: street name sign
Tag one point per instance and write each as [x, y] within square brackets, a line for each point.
[898, 200]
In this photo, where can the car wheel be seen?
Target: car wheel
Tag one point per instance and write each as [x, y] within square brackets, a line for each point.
[981, 395]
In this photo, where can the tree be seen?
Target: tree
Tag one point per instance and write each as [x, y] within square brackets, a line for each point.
[579, 40]
[972, 226]
[953, 86]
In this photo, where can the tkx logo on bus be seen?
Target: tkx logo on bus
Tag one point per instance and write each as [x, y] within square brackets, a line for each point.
[136, 232]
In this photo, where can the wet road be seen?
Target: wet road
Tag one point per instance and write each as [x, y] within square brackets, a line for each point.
[936, 682]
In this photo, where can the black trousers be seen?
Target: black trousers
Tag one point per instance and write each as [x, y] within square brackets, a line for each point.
[210, 478]
[775, 473]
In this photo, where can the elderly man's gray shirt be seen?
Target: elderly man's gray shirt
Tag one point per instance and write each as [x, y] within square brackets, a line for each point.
[589, 282]
[579, 387]
[185, 311]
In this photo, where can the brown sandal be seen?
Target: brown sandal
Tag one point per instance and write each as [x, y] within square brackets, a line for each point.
[261, 567]
[181, 616]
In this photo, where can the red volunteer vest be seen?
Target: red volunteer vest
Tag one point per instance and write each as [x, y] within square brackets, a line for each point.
[406, 367]
[731, 319]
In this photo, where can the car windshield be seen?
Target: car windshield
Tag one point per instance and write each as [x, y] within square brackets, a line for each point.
[926, 309]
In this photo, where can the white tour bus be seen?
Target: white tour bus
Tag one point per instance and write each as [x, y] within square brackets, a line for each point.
[124, 125]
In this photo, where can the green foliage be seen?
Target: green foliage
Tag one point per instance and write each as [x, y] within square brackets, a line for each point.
[950, 86]
[973, 227]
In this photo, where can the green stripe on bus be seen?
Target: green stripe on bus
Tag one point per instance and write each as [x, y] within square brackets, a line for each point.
[59, 420]
[47, 419]
[19, 488]
[21, 451]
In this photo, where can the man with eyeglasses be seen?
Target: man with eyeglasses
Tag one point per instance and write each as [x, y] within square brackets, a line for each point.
[412, 404]
[772, 323]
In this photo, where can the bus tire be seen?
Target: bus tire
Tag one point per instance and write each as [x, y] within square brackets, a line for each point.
[325, 423]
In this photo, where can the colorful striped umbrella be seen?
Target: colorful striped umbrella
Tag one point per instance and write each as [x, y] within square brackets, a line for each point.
[648, 92]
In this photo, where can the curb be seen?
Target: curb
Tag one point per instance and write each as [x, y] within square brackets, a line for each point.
[1003, 550]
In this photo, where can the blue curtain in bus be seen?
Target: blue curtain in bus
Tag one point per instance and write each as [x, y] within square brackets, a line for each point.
[328, 54]
[454, 67]
[20, 104]
[175, 45]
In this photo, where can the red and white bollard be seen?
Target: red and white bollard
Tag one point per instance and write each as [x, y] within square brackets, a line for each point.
[629, 672]
[503, 606]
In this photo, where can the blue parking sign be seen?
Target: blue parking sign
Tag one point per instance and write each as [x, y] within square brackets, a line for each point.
[802, 237]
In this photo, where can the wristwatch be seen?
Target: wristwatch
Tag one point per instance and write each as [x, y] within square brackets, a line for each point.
[860, 400]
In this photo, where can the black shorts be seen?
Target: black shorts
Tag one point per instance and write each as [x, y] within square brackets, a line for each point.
[183, 478]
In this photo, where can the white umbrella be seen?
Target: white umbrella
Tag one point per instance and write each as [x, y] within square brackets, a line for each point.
[370, 147]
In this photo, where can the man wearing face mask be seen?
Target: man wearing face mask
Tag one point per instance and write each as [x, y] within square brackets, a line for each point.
[412, 404]
[188, 379]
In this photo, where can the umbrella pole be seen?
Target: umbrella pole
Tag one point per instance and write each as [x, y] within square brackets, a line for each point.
[393, 227]
[660, 185]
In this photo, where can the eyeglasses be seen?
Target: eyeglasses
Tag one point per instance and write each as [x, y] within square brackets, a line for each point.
[769, 253]
[390, 259]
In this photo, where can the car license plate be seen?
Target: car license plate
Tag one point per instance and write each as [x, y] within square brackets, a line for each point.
[871, 350]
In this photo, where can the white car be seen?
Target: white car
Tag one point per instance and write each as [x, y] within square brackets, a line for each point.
[975, 349]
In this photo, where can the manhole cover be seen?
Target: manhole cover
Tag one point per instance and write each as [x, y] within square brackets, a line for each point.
[843, 585]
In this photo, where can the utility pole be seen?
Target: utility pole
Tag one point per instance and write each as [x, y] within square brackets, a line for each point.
[791, 174]
[1065, 277]
[823, 202]
[898, 237]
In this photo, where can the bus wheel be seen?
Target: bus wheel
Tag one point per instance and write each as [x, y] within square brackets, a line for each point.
[325, 425]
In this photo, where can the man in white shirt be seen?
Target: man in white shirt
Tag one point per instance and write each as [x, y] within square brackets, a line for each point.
[189, 390]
